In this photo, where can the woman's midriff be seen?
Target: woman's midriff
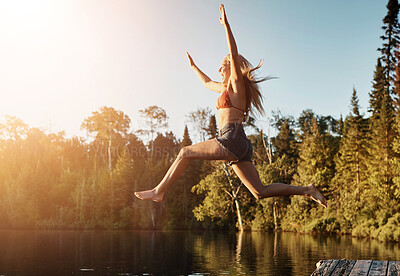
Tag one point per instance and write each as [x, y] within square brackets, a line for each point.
[229, 115]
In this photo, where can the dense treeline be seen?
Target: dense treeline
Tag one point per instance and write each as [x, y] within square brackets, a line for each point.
[50, 181]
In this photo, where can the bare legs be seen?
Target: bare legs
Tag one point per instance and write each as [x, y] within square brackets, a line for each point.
[208, 150]
[248, 174]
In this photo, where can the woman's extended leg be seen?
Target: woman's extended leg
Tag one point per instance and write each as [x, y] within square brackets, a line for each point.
[248, 174]
[207, 150]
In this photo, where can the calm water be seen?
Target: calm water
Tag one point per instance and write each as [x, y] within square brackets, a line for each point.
[177, 253]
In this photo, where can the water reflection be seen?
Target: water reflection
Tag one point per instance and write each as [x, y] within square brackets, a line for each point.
[177, 253]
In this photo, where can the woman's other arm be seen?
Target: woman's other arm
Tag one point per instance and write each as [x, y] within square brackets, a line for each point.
[236, 78]
[205, 80]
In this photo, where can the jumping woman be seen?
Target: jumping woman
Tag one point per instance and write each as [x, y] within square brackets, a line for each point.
[239, 96]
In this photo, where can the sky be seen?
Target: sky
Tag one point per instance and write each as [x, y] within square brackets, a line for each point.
[62, 60]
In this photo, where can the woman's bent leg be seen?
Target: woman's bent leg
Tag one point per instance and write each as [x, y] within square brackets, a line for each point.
[248, 174]
[207, 150]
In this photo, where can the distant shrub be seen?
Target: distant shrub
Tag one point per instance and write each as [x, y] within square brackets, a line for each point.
[365, 229]
[390, 231]
[324, 225]
[383, 217]
[260, 222]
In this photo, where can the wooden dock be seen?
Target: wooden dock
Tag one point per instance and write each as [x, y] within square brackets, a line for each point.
[357, 267]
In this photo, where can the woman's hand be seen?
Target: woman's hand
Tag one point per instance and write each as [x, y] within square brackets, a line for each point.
[223, 19]
[190, 59]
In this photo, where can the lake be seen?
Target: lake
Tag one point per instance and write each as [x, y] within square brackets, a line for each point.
[178, 252]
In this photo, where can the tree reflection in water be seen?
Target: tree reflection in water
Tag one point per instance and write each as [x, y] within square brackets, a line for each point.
[178, 253]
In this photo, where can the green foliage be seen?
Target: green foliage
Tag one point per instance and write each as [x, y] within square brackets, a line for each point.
[285, 142]
[324, 224]
[107, 122]
[380, 152]
[222, 195]
[217, 202]
[263, 215]
[350, 163]
[390, 231]
[315, 164]
[395, 162]
[365, 228]
[155, 118]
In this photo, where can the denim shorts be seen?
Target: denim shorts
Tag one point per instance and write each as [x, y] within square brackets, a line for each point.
[233, 138]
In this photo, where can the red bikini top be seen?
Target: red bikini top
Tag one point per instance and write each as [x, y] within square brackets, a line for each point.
[225, 102]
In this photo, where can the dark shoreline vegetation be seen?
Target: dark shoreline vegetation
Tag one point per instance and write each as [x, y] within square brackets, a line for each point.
[48, 181]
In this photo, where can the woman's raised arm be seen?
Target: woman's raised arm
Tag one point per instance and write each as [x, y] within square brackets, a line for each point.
[205, 80]
[236, 78]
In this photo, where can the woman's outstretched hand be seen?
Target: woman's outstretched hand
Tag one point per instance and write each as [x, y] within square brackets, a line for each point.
[223, 19]
[190, 59]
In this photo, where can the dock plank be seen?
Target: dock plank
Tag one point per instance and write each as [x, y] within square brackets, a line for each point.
[393, 269]
[322, 267]
[332, 267]
[378, 268]
[361, 268]
[343, 268]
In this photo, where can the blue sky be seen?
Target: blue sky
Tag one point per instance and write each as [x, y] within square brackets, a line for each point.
[62, 60]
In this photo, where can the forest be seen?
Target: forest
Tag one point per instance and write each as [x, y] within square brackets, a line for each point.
[49, 181]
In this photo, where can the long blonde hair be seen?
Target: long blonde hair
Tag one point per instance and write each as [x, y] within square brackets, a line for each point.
[254, 98]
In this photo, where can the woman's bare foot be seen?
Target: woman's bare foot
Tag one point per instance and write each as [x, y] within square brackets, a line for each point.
[315, 195]
[150, 195]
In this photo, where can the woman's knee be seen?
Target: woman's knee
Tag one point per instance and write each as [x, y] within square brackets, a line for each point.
[185, 153]
[257, 194]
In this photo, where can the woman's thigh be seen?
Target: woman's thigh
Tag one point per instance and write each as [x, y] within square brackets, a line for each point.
[248, 174]
[208, 150]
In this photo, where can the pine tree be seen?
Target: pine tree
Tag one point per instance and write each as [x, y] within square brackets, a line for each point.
[304, 122]
[315, 166]
[378, 90]
[186, 141]
[285, 142]
[380, 152]
[315, 160]
[381, 132]
[390, 43]
[350, 162]
[286, 150]
[396, 85]
[340, 126]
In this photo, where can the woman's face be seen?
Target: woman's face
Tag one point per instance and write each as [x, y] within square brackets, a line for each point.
[225, 71]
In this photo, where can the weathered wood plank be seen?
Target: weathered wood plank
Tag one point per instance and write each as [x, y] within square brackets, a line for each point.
[343, 268]
[378, 268]
[393, 269]
[322, 267]
[332, 267]
[361, 268]
[328, 269]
